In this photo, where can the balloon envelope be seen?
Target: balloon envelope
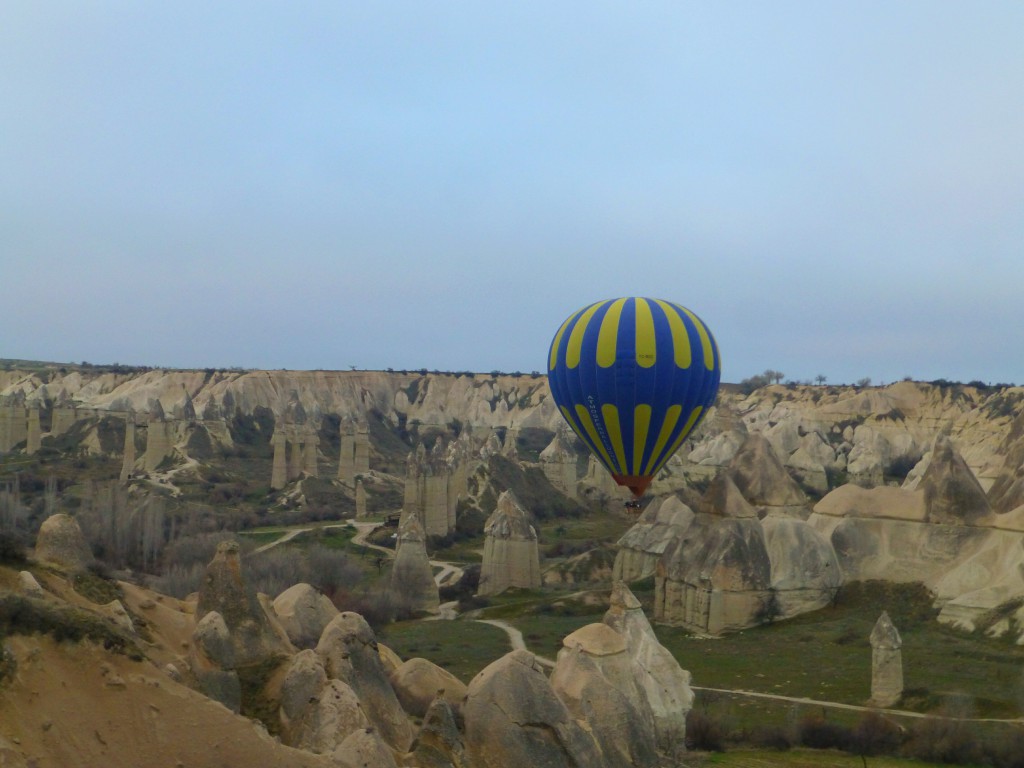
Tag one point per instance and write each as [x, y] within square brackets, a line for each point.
[633, 377]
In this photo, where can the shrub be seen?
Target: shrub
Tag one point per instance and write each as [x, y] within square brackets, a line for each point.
[943, 740]
[12, 547]
[771, 737]
[704, 733]
[818, 733]
[875, 735]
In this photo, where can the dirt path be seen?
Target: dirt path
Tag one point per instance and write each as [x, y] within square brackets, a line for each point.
[850, 707]
[515, 638]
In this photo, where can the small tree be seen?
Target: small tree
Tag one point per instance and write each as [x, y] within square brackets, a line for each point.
[820, 379]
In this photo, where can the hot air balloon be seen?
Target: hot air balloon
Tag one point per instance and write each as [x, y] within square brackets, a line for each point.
[633, 377]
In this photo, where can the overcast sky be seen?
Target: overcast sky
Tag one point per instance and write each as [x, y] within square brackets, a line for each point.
[835, 188]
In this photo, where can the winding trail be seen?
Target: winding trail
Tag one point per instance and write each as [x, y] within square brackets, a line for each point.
[450, 573]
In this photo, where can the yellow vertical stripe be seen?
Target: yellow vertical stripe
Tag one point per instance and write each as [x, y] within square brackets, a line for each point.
[680, 338]
[588, 425]
[609, 334]
[694, 415]
[646, 341]
[553, 357]
[705, 339]
[611, 423]
[572, 353]
[641, 426]
[671, 417]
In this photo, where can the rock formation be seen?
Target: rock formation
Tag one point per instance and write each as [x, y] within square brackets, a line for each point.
[159, 438]
[411, 574]
[642, 546]
[225, 591]
[128, 463]
[279, 471]
[558, 460]
[418, 682]
[360, 499]
[34, 433]
[361, 450]
[665, 685]
[514, 718]
[886, 663]
[13, 424]
[594, 679]
[346, 455]
[426, 489]
[348, 649]
[511, 557]
[62, 543]
[716, 577]
[763, 481]
[439, 743]
[304, 612]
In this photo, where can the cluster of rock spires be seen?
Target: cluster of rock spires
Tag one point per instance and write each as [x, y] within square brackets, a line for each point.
[734, 566]
[614, 698]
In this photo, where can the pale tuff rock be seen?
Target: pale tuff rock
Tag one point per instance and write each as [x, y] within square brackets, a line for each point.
[360, 499]
[805, 573]
[304, 612]
[411, 574]
[119, 616]
[718, 450]
[511, 557]
[128, 464]
[61, 542]
[716, 578]
[347, 454]
[886, 663]
[388, 658]
[348, 649]
[418, 682]
[642, 546]
[212, 661]
[28, 584]
[225, 591]
[279, 471]
[364, 748]
[558, 460]
[159, 438]
[514, 718]
[600, 480]
[309, 463]
[594, 678]
[595, 566]
[723, 498]
[332, 715]
[34, 436]
[304, 678]
[439, 743]
[665, 685]
[361, 450]
[426, 489]
[952, 493]
[761, 478]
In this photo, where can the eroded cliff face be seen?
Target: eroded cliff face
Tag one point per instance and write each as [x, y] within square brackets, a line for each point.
[823, 434]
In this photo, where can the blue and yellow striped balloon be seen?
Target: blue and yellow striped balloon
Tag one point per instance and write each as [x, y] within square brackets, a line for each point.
[633, 377]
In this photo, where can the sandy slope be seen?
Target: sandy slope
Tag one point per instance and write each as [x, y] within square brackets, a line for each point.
[78, 705]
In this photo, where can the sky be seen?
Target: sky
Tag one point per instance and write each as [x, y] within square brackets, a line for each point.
[836, 189]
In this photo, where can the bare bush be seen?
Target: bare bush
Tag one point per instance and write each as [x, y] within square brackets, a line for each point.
[704, 732]
[818, 733]
[943, 740]
[875, 735]
[378, 607]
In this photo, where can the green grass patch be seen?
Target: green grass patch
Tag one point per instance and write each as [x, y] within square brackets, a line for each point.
[798, 758]
[462, 647]
[826, 655]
